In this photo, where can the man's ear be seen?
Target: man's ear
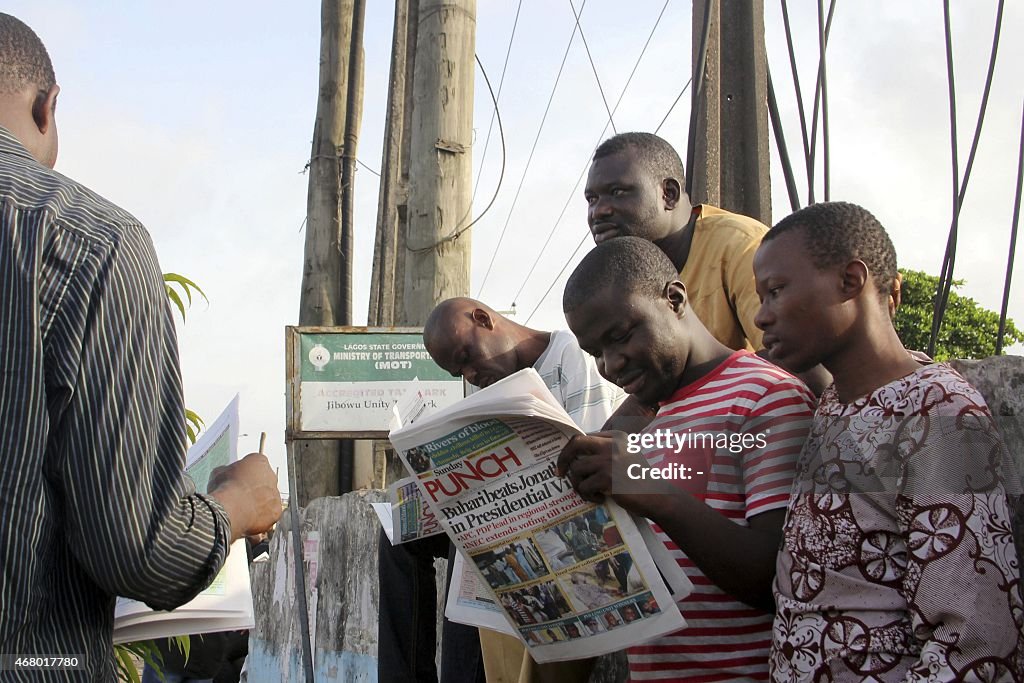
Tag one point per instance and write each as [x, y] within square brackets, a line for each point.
[671, 191]
[895, 294]
[44, 108]
[482, 318]
[855, 278]
[675, 292]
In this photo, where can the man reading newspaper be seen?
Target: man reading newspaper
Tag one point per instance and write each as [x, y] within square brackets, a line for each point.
[493, 487]
[712, 471]
[469, 339]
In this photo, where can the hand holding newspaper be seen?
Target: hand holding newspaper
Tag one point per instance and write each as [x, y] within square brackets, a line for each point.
[572, 578]
[226, 604]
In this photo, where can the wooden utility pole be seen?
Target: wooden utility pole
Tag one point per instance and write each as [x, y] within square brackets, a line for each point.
[326, 297]
[437, 245]
[731, 163]
[388, 275]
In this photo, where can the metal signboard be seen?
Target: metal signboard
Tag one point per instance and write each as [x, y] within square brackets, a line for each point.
[343, 381]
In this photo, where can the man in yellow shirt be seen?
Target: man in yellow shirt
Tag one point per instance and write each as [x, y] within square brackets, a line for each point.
[635, 188]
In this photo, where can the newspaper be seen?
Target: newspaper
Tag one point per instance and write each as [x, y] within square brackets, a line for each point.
[470, 601]
[406, 516]
[573, 579]
[226, 604]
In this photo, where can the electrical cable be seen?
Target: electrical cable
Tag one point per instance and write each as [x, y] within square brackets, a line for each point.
[501, 131]
[674, 103]
[529, 159]
[586, 165]
[780, 143]
[949, 259]
[950, 84]
[799, 102]
[812, 158]
[823, 78]
[551, 286]
[593, 68]
[953, 143]
[494, 112]
[1013, 241]
[360, 162]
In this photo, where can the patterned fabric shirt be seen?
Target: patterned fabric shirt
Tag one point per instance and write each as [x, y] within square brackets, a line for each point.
[93, 502]
[898, 561]
[765, 413]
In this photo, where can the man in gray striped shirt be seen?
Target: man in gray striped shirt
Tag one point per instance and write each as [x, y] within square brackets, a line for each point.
[93, 501]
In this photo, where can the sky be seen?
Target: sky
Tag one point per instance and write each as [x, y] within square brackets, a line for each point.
[198, 118]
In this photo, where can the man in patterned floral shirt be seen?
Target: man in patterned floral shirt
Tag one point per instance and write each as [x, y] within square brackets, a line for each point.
[898, 561]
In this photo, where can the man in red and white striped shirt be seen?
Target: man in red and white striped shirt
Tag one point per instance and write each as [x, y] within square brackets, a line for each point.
[713, 471]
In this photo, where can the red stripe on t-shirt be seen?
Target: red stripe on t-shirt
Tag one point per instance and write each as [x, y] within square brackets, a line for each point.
[743, 390]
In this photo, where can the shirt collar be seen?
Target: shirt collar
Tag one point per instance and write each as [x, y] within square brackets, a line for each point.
[11, 145]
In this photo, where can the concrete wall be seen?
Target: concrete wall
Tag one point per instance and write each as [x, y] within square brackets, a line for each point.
[340, 539]
[1000, 379]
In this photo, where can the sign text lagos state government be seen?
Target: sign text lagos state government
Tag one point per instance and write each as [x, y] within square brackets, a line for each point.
[343, 381]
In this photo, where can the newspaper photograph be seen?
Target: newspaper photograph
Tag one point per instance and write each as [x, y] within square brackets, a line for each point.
[406, 516]
[471, 602]
[561, 569]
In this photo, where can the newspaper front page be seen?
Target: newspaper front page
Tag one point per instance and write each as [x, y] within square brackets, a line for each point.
[573, 579]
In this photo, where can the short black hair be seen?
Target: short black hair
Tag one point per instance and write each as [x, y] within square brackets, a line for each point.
[838, 232]
[629, 264]
[24, 61]
[660, 159]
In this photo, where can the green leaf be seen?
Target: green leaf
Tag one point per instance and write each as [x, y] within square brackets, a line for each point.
[174, 282]
[193, 425]
[125, 666]
[176, 300]
[184, 644]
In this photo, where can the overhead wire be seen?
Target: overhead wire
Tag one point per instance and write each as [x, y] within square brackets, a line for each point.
[551, 233]
[494, 112]
[586, 165]
[799, 101]
[557, 277]
[960, 187]
[812, 158]
[823, 80]
[558, 220]
[780, 143]
[808, 135]
[954, 145]
[1013, 240]
[593, 67]
[360, 162]
[501, 176]
[533, 149]
[674, 103]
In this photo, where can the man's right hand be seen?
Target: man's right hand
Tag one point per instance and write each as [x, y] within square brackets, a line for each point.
[248, 491]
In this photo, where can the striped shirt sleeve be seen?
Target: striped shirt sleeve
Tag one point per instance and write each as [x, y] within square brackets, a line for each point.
[133, 521]
[779, 420]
